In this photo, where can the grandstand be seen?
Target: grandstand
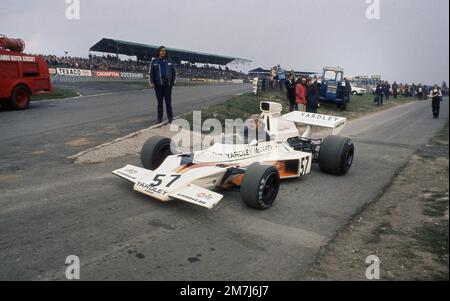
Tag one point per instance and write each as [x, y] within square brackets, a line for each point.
[108, 55]
[144, 52]
[191, 64]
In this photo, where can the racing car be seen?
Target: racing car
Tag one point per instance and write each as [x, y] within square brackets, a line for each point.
[255, 168]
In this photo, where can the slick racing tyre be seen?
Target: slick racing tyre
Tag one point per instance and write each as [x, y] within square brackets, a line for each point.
[336, 155]
[260, 186]
[154, 151]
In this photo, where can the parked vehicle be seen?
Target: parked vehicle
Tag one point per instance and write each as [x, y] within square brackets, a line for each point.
[21, 75]
[331, 85]
[358, 90]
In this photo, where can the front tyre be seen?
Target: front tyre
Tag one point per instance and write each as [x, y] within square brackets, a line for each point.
[154, 151]
[336, 155]
[260, 186]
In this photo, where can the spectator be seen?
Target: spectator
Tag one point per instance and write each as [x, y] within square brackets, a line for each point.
[436, 98]
[420, 92]
[312, 96]
[281, 75]
[162, 77]
[344, 95]
[301, 94]
[413, 90]
[379, 94]
[293, 73]
[290, 87]
[349, 89]
[273, 78]
[387, 90]
[395, 89]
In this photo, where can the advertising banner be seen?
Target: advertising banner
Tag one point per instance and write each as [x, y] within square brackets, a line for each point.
[131, 75]
[73, 72]
[107, 73]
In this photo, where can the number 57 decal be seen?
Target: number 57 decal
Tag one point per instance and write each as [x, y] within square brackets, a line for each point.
[159, 178]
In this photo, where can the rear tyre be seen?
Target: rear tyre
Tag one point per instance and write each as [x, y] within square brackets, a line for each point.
[336, 155]
[154, 151]
[260, 186]
[20, 98]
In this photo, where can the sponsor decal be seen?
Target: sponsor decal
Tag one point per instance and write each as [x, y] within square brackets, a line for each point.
[17, 58]
[52, 71]
[194, 199]
[73, 72]
[131, 171]
[320, 117]
[107, 73]
[148, 187]
[203, 195]
[131, 75]
[251, 151]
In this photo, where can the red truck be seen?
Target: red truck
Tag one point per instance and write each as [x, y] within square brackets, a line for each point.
[21, 75]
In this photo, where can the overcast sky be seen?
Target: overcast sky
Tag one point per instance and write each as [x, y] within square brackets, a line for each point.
[410, 41]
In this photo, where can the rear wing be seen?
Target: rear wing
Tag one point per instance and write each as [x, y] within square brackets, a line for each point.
[335, 123]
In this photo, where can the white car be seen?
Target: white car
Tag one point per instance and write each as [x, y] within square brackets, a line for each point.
[256, 167]
[358, 90]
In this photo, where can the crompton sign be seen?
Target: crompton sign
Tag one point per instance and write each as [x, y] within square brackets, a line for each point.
[73, 72]
[107, 73]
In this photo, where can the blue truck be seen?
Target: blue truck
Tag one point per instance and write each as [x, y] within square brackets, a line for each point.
[332, 86]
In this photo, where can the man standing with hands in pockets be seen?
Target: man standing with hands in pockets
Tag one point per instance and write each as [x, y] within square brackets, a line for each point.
[162, 78]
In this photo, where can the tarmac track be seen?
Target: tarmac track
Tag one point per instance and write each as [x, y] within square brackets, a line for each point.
[51, 208]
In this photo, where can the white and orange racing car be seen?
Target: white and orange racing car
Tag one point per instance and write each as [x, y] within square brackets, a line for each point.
[255, 167]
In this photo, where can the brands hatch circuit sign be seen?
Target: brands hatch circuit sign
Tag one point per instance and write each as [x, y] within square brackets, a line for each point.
[17, 58]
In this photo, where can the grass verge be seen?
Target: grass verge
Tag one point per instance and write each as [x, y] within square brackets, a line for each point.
[57, 93]
[243, 106]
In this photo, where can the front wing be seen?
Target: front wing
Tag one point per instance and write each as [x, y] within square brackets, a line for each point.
[168, 186]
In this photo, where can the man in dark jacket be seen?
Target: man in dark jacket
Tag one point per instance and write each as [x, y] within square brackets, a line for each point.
[290, 87]
[162, 77]
[395, 90]
[387, 89]
[345, 92]
[436, 98]
[348, 89]
[312, 96]
[379, 91]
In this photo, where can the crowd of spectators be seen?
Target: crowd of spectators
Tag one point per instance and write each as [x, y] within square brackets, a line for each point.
[113, 63]
[93, 62]
[189, 70]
